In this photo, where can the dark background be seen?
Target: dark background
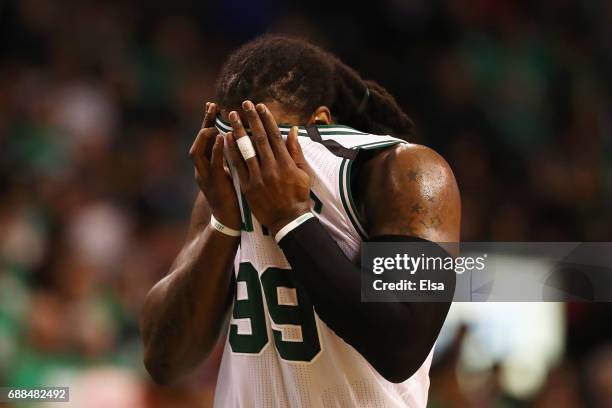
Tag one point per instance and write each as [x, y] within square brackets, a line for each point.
[99, 103]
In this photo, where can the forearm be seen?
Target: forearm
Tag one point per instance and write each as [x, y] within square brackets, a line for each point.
[405, 332]
[185, 312]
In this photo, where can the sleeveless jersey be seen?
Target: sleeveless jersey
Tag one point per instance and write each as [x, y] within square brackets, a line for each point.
[278, 353]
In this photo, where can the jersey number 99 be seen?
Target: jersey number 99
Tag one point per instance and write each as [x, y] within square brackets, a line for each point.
[293, 313]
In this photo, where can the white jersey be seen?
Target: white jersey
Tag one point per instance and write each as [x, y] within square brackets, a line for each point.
[278, 352]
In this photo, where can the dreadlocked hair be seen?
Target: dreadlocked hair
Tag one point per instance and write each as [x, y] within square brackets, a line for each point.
[302, 77]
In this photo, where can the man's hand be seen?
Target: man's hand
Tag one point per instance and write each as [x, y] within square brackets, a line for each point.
[276, 182]
[212, 176]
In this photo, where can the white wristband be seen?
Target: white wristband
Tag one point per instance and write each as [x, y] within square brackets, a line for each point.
[222, 228]
[292, 225]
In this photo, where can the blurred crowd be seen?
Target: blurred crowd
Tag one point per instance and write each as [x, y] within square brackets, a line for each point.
[99, 103]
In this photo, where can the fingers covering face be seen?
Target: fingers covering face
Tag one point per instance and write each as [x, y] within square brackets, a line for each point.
[199, 151]
[295, 150]
[270, 147]
[216, 161]
[258, 134]
[236, 158]
[209, 115]
[201, 148]
[274, 135]
[238, 133]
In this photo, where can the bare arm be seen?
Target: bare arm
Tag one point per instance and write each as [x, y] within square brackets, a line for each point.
[421, 199]
[422, 195]
[185, 312]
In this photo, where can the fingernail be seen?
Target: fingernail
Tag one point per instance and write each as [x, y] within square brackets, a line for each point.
[233, 116]
[261, 108]
[207, 103]
[247, 105]
[210, 107]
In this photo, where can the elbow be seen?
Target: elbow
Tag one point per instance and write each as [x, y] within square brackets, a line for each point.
[159, 372]
[397, 364]
[156, 364]
[397, 374]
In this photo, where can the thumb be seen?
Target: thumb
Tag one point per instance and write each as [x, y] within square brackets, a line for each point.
[295, 150]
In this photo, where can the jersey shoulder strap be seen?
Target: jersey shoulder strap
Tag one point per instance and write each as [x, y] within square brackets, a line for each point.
[354, 139]
[341, 140]
[347, 143]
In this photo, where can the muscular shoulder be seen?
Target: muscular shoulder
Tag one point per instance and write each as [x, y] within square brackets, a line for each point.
[408, 163]
[411, 190]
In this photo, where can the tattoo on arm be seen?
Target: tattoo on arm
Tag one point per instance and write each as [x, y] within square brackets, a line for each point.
[412, 226]
[415, 225]
[431, 222]
[422, 194]
[435, 222]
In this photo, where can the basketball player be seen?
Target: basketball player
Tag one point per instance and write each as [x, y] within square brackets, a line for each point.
[274, 242]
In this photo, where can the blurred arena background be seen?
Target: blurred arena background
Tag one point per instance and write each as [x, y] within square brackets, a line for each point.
[100, 101]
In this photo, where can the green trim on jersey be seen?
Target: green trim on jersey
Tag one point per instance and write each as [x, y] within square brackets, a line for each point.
[346, 198]
[346, 194]
[378, 145]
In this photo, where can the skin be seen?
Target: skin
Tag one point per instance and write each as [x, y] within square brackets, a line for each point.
[186, 312]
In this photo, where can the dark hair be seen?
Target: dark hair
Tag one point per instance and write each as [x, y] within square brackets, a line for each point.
[303, 77]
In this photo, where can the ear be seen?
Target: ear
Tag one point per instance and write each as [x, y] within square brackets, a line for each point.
[321, 116]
